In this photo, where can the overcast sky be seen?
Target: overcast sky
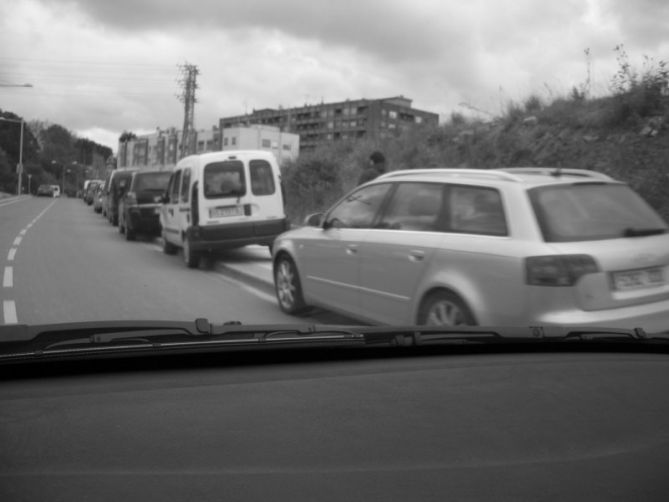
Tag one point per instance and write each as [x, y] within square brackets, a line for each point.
[99, 67]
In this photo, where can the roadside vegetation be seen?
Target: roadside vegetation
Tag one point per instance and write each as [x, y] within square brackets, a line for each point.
[624, 134]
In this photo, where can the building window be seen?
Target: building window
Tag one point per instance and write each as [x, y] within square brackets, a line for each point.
[286, 147]
[392, 114]
[225, 141]
[419, 120]
[233, 140]
[266, 143]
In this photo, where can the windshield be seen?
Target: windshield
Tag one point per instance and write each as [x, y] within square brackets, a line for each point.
[321, 166]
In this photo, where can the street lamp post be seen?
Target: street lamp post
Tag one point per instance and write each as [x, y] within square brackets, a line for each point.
[19, 168]
[30, 176]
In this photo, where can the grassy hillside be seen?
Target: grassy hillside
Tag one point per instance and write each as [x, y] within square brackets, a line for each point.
[625, 135]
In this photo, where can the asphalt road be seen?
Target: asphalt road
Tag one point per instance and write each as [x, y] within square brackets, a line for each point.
[61, 262]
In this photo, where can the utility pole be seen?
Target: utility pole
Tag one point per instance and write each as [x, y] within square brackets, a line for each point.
[188, 83]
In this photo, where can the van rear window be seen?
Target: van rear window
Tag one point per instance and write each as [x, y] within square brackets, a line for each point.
[224, 179]
[262, 178]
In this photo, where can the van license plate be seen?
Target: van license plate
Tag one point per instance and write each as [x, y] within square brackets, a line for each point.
[223, 212]
[634, 279]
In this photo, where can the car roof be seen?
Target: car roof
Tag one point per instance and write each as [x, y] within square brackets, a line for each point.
[529, 177]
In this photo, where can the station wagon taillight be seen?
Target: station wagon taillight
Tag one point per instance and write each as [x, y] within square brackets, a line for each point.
[558, 270]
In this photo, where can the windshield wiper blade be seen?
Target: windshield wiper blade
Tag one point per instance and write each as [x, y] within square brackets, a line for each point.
[36, 341]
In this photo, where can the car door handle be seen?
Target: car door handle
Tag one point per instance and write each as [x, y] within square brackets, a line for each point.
[416, 255]
[352, 249]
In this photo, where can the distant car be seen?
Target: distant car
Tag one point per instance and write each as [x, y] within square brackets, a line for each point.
[97, 198]
[139, 207]
[55, 190]
[505, 247]
[44, 191]
[90, 187]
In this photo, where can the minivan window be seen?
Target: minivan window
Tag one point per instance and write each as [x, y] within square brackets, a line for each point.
[224, 179]
[592, 211]
[185, 184]
[476, 210]
[262, 178]
[360, 208]
[414, 206]
[151, 182]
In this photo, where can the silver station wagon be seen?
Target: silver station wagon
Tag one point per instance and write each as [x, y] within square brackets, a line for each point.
[513, 247]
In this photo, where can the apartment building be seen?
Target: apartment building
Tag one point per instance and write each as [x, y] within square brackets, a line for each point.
[324, 122]
[160, 149]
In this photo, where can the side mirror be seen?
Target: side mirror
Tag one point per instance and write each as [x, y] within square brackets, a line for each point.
[313, 220]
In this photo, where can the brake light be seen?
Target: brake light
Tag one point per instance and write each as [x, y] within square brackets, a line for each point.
[558, 270]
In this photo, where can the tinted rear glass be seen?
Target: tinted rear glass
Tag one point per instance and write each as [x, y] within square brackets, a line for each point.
[262, 177]
[224, 179]
[592, 211]
[151, 181]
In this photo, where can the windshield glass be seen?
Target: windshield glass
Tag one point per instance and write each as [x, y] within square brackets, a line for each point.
[582, 212]
[315, 164]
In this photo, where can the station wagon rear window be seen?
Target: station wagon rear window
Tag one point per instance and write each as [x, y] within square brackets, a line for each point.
[224, 179]
[593, 211]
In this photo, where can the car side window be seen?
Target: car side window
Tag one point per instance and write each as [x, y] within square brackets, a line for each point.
[174, 192]
[185, 184]
[359, 209]
[414, 206]
[477, 210]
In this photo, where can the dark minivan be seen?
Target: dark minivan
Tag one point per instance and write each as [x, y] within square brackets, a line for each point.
[116, 189]
[139, 207]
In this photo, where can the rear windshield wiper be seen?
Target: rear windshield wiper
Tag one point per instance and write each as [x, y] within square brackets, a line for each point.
[643, 232]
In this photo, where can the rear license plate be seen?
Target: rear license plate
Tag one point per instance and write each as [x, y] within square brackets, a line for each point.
[226, 211]
[635, 279]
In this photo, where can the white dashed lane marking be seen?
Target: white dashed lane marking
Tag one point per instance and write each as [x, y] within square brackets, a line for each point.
[8, 278]
[9, 312]
[9, 306]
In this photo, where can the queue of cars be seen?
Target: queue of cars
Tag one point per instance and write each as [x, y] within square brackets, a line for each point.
[513, 246]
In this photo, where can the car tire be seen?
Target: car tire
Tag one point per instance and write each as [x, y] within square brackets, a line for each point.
[121, 224]
[191, 258]
[444, 308]
[287, 286]
[168, 247]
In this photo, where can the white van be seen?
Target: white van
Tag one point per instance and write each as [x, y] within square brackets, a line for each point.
[56, 190]
[222, 200]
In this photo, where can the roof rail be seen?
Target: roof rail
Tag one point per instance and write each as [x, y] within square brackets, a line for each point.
[496, 174]
[557, 172]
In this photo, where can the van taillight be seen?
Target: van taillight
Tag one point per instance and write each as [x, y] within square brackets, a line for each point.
[558, 270]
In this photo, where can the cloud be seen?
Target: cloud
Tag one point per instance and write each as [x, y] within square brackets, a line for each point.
[113, 65]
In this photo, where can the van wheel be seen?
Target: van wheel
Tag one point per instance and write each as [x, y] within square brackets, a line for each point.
[444, 308]
[287, 285]
[191, 258]
[168, 247]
